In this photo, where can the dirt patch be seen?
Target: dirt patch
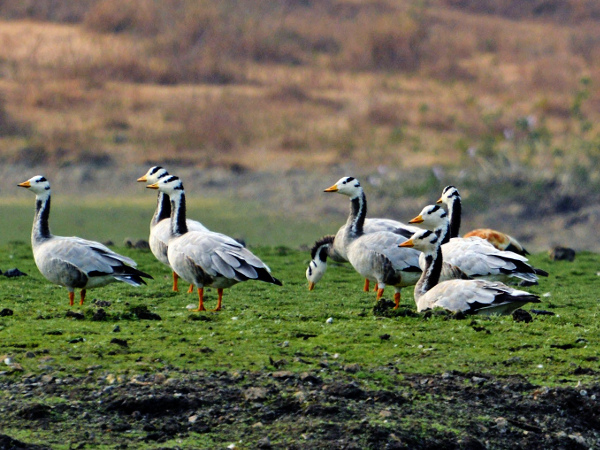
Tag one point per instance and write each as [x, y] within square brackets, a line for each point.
[309, 410]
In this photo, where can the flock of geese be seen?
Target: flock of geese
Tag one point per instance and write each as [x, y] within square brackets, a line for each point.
[459, 274]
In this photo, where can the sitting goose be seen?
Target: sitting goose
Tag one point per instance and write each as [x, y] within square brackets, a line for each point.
[466, 296]
[476, 257]
[206, 258]
[160, 225]
[357, 222]
[71, 261]
[451, 198]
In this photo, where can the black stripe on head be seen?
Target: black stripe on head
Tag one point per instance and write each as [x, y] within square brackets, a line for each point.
[162, 175]
[448, 188]
[41, 179]
[348, 180]
[325, 240]
[155, 169]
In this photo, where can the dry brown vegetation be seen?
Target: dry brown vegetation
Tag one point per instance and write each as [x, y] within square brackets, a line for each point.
[275, 85]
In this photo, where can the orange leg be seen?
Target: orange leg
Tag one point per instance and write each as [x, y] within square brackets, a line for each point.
[220, 292]
[366, 288]
[71, 298]
[82, 297]
[175, 279]
[397, 300]
[376, 287]
[200, 300]
[191, 289]
[379, 294]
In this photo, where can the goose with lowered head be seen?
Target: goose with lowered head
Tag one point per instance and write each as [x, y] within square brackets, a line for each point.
[476, 257]
[502, 241]
[73, 262]
[206, 258]
[465, 296]
[160, 225]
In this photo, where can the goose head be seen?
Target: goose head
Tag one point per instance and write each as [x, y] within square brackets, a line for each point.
[154, 174]
[349, 186]
[38, 185]
[426, 241]
[170, 185]
[318, 264]
[431, 217]
[449, 194]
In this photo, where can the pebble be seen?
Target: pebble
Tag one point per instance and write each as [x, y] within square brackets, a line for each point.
[330, 320]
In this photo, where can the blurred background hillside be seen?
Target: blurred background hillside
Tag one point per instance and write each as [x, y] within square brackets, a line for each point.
[275, 100]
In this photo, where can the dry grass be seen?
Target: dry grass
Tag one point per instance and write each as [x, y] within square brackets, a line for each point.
[277, 85]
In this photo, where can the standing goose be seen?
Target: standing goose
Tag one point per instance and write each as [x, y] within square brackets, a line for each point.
[357, 223]
[466, 296]
[160, 225]
[451, 198]
[206, 258]
[476, 257]
[71, 261]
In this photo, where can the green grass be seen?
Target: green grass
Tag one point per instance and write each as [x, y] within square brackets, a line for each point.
[262, 324]
[262, 321]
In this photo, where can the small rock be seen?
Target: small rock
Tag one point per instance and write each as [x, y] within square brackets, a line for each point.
[264, 443]
[562, 254]
[385, 337]
[29, 355]
[352, 368]
[193, 419]
[578, 438]
[255, 394]
[6, 312]
[121, 342]
[330, 320]
[385, 414]
[520, 315]
[282, 374]
[75, 315]
[159, 378]
[11, 273]
[501, 423]
[99, 315]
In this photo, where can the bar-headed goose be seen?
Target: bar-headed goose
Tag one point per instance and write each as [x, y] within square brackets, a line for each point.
[466, 296]
[357, 223]
[73, 262]
[160, 225]
[320, 251]
[206, 258]
[476, 257]
[502, 241]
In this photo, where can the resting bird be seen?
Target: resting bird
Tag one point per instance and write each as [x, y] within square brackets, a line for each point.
[466, 296]
[206, 258]
[358, 223]
[160, 225]
[73, 262]
[451, 198]
[476, 257]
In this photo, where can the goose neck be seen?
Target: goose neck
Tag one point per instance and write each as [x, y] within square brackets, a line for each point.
[358, 213]
[163, 208]
[178, 215]
[431, 275]
[41, 226]
[454, 212]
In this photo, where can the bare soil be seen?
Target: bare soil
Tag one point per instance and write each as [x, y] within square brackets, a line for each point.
[319, 409]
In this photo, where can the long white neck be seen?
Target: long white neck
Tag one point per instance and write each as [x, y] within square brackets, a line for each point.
[431, 275]
[41, 227]
[178, 213]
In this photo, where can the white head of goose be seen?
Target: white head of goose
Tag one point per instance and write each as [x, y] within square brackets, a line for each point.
[318, 263]
[466, 296]
[160, 228]
[205, 258]
[71, 261]
[474, 256]
[502, 241]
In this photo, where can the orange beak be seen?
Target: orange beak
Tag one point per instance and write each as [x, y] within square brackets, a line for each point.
[439, 200]
[142, 179]
[408, 243]
[418, 219]
[311, 286]
[152, 186]
[25, 184]
[333, 188]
